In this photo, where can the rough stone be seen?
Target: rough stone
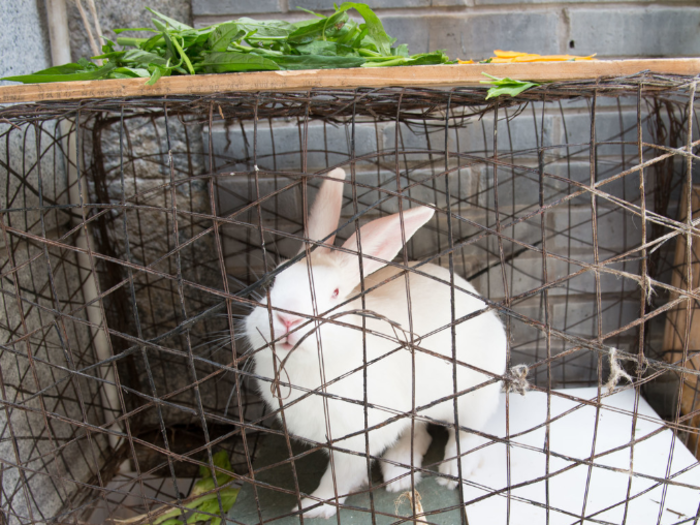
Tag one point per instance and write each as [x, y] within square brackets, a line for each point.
[147, 225]
[59, 447]
[114, 14]
[24, 39]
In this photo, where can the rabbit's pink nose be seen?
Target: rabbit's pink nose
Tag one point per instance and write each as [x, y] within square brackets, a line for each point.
[288, 321]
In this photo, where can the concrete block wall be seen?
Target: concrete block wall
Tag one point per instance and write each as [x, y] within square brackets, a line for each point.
[27, 439]
[115, 14]
[60, 456]
[568, 228]
[473, 29]
[47, 279]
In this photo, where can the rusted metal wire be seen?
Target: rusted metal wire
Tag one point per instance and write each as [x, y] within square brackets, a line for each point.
[561, 205]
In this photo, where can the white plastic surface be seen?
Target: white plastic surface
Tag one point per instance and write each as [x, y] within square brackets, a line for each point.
[572, 436]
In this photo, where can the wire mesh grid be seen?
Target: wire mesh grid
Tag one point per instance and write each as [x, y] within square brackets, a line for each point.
[140, 236]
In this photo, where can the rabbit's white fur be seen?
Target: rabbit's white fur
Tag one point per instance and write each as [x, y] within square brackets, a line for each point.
[334, 349]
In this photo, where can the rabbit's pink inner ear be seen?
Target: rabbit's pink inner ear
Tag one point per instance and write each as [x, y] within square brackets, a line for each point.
[382, 239]
[325, 211]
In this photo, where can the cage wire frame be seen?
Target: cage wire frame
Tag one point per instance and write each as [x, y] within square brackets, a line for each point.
[173, 246]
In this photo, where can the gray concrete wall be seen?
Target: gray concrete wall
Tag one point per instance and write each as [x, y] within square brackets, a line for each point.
[114, 14]
[474, 28]
[568, 229]
[24, 44]
[26, 439]
[48, 435]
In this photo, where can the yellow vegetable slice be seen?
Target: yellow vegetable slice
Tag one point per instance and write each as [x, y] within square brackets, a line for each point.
[509, 57]
[507, 54]
[550, 58]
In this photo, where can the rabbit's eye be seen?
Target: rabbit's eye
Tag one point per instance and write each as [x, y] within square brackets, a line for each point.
[335, 293]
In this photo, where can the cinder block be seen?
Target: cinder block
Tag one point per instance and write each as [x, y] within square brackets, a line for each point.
[242, 248]
[518, 135]
[610, 112]
[618, 230]
[280, 146]
[449, 3]
[518, 189]
[611, 126]
[623, 102]
[409, 29]
[508, 2]
[521, 135]
[524, 274]
[234, 7]
[626, 188]
[476, 36]
[320, 5]
[636, 31]
[239, 190]
[582, 316]
[417, 138]
[575, 316]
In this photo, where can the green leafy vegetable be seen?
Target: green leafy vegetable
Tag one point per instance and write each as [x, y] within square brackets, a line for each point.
[375, 29]
[318, 62]
[506, 86]
[170, 21]
[223, 35]
[233, 61]
[202, 508]
[174, 48]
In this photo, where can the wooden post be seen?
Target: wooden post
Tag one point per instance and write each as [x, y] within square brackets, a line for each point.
[676, 320]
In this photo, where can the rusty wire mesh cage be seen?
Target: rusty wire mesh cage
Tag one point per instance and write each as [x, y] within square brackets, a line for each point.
[138, 235]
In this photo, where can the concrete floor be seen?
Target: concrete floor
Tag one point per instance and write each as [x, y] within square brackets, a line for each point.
[310, 469]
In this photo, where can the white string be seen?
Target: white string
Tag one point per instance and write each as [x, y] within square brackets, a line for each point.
[647, 287]
[411, 496]
[616, 372]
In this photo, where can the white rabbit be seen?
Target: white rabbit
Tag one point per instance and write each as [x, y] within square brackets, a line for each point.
[327, 360]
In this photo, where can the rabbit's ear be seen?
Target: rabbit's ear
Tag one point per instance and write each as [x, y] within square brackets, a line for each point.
[382, 239]
[325, 212]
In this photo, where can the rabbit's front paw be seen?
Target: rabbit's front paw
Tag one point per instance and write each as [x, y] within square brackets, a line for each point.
[402, 484]
[450, 468]
[320, 510]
